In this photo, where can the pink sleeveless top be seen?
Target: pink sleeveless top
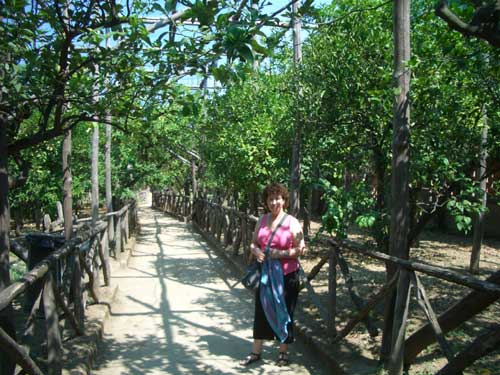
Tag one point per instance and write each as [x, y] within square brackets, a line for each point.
[282, 240]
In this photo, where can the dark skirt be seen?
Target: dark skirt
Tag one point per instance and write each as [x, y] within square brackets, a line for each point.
[261, 328]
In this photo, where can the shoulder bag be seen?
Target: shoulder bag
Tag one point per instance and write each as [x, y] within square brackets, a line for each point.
[251, 277]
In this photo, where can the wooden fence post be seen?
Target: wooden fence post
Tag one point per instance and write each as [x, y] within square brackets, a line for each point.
[126, 225]
[54, 343]
[18, 354]
[238, 237]
[244, 236]
[118, 238]
[104, 253]
[76, 289]
[332, 292]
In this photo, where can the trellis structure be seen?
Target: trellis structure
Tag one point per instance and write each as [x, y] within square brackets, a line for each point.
[62, 285]
[232, 230]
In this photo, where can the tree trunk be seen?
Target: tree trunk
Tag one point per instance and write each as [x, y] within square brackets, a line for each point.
[478, 223]
[305, 212]
[94, 174]
[332, 292]
[315, 193]
[253, 203]
[295, 167]
[67, 186]
[399, 230]
[193, 177]
[380, 175]
[6, 363]
[109, 191]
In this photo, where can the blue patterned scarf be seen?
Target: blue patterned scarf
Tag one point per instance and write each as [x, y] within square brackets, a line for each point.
[272, 297]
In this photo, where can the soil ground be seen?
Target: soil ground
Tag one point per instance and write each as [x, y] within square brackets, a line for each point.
[436, 248]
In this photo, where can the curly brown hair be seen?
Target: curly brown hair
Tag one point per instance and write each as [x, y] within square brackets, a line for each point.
[275, 189]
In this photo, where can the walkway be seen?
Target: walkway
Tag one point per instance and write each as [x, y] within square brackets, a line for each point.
[178, 311]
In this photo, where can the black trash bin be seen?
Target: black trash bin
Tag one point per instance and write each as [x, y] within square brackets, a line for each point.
[41, 245]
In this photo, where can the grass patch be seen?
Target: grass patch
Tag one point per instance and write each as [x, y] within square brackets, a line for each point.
[17, 270]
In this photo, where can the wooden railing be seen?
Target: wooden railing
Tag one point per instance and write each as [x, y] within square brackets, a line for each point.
[483, 294]
[233, 230]
[58, 284]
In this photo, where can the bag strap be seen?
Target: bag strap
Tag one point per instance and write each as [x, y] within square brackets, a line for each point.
[268, 246]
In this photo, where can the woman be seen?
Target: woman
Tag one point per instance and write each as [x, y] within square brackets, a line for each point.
[280, 266]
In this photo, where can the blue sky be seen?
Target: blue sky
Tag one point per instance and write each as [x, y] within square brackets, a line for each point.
[194, 81]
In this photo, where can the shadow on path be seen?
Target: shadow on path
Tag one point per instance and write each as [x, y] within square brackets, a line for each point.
[179, 311]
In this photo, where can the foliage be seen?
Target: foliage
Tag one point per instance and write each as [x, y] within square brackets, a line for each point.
[105, 59]
[245, 138]
[346, 73]
[347, 111]
[344, 207]
[61, 73]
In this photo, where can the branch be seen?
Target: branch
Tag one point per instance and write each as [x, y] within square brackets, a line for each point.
[484, 23]
[358, 10]
[22, 178]
[237, 15]
[167, 21]
[44, 136]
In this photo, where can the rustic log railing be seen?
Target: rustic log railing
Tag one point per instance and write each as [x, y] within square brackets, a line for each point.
[57, 284]
[233, 230]
[483, 295]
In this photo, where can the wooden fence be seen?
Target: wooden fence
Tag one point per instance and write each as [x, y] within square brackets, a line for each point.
[64, 282]
[233, 230]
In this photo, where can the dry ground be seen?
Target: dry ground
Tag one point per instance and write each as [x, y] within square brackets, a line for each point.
[435, 248]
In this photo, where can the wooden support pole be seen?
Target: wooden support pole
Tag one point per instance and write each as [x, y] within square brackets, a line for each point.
[123, 232]
[250, 230]
[461, 311]
[95, 281]
[92, 284]
[478, 220]
[238, 236]
[228, 235]
[118, 238]
[20, 251]
[220, 224]
[332, 292]
[481, 346]
[107, 179]
[126, 226]
[400, 322]
[315, 270]
[68, 313]
[244, 237]
[353, 293]
[104, 254]
[424, 303]
[18, 354]
[372, 302]
[76, 291]
[54, 342]
[29, 329]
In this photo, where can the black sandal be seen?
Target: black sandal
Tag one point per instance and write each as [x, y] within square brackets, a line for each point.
[251, 358]
[282, 359]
